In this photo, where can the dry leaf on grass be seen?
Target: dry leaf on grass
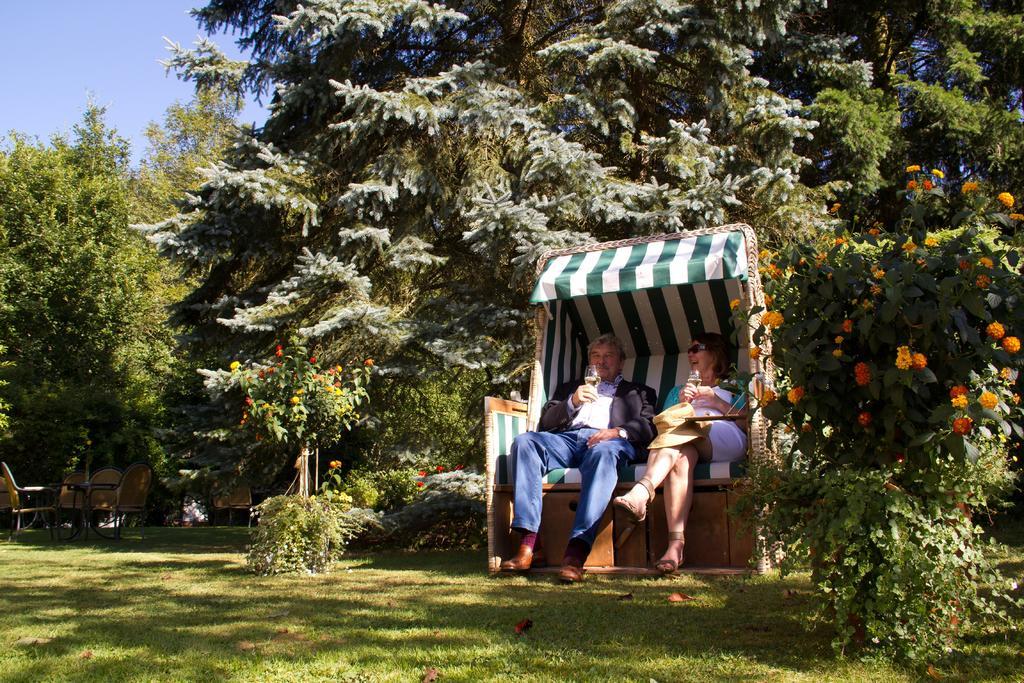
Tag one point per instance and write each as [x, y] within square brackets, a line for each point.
[289, 636]
[86, 654]
[934, 673]
[430, 675]
[278, 615]
[788, 593]
[246, 645]
[29, 640]
[680, 597]
[166, 577]
[627, 596]
[523, 626]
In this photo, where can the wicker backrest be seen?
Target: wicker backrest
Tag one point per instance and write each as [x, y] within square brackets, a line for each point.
[134, 486]
[69, 497]
[240, 498]
[104, 499]
[11, 486]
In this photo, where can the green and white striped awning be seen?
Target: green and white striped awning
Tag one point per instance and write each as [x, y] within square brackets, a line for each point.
[655, 297]
[673, 261]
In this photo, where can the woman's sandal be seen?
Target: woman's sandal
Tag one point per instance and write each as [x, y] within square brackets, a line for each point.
[638, 511]
[670, 566]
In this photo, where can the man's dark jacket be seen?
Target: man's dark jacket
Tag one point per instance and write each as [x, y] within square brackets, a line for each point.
[632, 409]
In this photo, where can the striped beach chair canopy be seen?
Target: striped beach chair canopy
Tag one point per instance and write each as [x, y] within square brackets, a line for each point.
[653, 293]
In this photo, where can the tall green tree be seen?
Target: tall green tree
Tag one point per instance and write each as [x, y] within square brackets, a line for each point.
[81, 312]
[932, 83]
[420, 157]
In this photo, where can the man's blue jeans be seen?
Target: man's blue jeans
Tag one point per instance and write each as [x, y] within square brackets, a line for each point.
[537, 453]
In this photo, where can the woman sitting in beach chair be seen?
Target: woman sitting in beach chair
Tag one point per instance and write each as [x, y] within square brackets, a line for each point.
[681, 443]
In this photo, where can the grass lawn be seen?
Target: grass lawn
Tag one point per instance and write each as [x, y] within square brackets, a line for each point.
[181, 607]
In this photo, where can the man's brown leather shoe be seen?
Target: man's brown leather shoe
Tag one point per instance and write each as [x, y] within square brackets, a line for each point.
[521, 562]
[570, 573]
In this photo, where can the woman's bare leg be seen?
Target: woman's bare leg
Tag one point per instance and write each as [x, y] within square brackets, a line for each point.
[678, 500]
[659, 464]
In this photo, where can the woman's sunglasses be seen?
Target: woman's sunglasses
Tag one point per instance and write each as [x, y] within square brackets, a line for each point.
[697, 347]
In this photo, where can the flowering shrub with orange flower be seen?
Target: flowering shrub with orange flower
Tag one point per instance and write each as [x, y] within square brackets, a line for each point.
[886, 442]
[298, 402]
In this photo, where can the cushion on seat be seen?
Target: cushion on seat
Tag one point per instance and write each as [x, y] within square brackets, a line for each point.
[629, 473]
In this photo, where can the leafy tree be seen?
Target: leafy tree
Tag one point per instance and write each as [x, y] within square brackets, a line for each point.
[420, 157]
[933, 83]
[81, 312]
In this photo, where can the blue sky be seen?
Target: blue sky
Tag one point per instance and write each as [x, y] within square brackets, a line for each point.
[57, 53]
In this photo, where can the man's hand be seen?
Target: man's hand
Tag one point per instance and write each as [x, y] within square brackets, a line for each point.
[584, 394]
[602, 435]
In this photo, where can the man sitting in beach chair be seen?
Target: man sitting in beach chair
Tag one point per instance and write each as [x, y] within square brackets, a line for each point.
[595, 426]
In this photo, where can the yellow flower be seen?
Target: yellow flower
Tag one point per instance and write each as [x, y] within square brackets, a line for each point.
[734, 304]
[914, 168]
[235, 365]
[909, 246]
[1006, 374]
[904, 359]
[985, 261]
[988, 400]
[839, 339]
[295, 400]
[938, 174]
[969, 186]
[1006, 199]
[931, 242]
[299, 392]
[878, 273]
[876, 290]
[764, 255]
[959, 402]
[838, 353]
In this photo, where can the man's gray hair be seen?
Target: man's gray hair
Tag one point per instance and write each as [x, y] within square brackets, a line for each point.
[608, 340]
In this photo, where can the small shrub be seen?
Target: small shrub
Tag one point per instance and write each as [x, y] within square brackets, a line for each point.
[299, 534]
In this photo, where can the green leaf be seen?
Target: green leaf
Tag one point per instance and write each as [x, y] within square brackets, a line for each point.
[954, 443]
[941, 413]
[974, 304]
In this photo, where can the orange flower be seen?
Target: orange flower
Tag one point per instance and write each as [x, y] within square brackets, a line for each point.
[806, 427]
[988, 400]
[734, 304]
[876, 290]
[931, 242]
[919, 361]
[862, 374]
[334, 464]
[838, 353]
[768, 397]
[839, 339]
[772, 319]
[927, 184]
[874, 231]
[1011, 344]
[969, 186]
[995, 331]
[911, 184]
[909, 246]
[958, 390]
[774, 271]
[419, 484]
[913, 168]
[755, 352]
[985, 261]
[962, 425]
[964, 264]
[959, 402]
[847, 326]
[834, 208]
[864, 419]
[1006, 199]
[840, 241]
[1006, 374]
[983, 281]
[768, 300]
[368, 362]
[904, 359]
[1016, 399]
[795, 394]
[1017, 216]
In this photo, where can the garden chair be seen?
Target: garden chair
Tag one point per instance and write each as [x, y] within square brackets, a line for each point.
[654, 294]
[131, 494]
[25, 499]
[103, 498]
[68, 498]
[238, 499]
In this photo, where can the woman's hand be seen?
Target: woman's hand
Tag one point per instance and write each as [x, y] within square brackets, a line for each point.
[691, 393]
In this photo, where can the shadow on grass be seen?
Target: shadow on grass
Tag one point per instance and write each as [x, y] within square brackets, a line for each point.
[178, 540]
[393, 613]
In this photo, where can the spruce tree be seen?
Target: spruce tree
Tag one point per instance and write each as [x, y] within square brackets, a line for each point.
[419, 158]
